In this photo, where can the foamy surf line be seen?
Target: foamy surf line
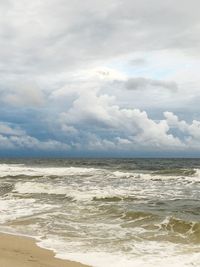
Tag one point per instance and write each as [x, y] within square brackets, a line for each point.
[163, 255]
[103, 259]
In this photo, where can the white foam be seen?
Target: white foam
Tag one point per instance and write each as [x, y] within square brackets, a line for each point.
[48, 188]
[197, 175]
[121, 174]
[39, 188]
[145, 254]
[11, 209]
[20, 169]
[79, 193]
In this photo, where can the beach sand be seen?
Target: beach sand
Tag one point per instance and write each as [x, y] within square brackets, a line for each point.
[17, 251]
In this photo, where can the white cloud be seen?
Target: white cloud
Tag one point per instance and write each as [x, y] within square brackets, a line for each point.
[28, 142]
[7, 130]
[99, 113]
[191, 129]
[25, 94]
[15, 138]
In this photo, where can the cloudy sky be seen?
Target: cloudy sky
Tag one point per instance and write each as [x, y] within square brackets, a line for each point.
[100, 78]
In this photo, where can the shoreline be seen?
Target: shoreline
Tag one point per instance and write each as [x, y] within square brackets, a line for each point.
[20, 251]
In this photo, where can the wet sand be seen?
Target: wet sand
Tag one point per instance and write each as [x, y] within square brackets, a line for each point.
[17, 251]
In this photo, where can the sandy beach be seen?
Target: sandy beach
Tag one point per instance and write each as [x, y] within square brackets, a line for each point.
[17, 251]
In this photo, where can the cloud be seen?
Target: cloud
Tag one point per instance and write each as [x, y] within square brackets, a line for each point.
[7, 130]
[94, 122]
[52, 36]
[143, 83]
[27, 143]
[25, 94]
[16, 139]
[138, 62]
[99, 75]
[191, 129]
[100, 116]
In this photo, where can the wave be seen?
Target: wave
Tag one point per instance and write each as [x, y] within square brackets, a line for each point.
[23, 171]
[121, 174]
[12, 209]
[176, 172]
[73, 192]
[19, 170]
[40, 188]
[190, 229]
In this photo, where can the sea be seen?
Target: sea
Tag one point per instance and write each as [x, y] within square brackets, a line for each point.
[106, 212]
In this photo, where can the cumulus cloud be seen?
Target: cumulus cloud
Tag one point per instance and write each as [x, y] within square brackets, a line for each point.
[191, 129]
[94, 122]
[100, 115]
[15, 138]
[27, 142]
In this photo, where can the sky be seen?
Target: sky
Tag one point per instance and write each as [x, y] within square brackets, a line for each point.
[100, 78]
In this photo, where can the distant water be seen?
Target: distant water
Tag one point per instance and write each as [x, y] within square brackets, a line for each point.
[106, 213]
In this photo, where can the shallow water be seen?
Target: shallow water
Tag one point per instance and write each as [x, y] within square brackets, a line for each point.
[113, 212]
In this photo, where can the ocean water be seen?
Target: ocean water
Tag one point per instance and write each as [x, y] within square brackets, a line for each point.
[106, 212]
